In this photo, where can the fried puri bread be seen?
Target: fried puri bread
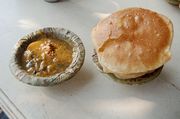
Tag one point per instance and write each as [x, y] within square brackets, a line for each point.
[132, 42]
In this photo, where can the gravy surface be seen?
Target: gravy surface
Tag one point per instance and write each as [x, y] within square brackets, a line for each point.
[46, 57]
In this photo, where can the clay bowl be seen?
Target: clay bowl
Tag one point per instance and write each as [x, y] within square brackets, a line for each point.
[59, 33]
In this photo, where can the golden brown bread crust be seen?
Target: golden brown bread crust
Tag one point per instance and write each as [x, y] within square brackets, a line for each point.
[133, 40]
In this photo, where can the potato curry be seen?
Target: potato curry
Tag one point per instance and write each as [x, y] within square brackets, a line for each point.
[46, 57]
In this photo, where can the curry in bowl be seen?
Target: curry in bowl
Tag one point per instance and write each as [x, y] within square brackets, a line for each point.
[47, 57]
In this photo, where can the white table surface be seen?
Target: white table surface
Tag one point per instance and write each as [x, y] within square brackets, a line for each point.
[89, 95]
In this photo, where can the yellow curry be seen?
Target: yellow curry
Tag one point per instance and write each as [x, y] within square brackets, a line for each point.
[46, 57]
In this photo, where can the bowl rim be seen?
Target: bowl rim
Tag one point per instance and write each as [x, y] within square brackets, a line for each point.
[60, 33]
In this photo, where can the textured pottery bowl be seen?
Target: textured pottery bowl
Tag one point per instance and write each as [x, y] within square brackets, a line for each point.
[132, 81]
[59, 33]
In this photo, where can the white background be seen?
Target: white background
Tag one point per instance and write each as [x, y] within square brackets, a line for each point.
[89, 95]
